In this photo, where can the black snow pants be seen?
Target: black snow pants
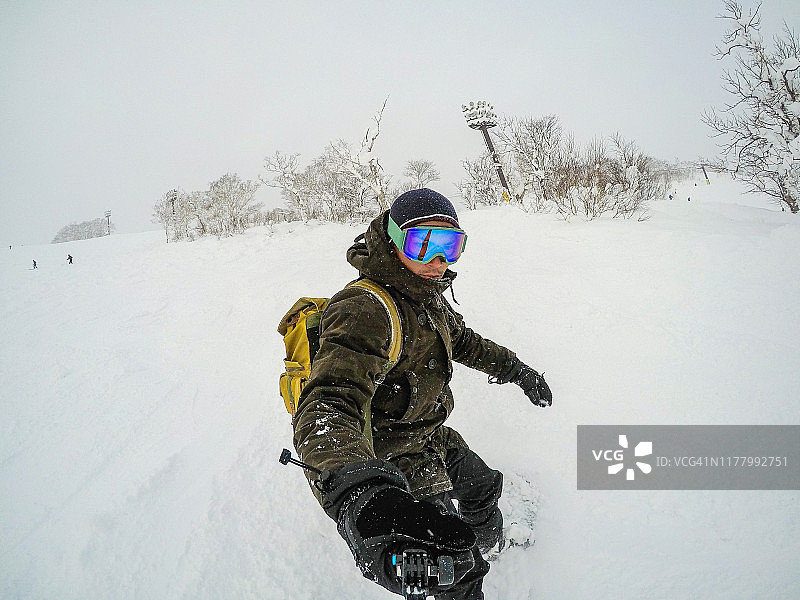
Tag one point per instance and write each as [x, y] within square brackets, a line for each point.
[476, 490]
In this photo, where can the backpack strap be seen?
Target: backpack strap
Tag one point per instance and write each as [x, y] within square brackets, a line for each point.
[395, 343]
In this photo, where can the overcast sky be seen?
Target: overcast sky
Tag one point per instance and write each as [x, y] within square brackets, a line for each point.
[108, 105]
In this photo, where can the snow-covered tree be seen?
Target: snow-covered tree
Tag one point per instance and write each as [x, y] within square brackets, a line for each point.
[283, 172]
[634, 178]
[196, 209]
[339, 195]
[182, 215]
[227, 207]
[420, 173]
[481, 185]
[233, 203]
[343, 184]
[548, 171]
[534, 147]
[761, 126]
[162, 212]
[83, 231]
[364, 165]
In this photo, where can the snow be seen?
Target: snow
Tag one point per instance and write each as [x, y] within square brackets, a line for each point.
[141, 422]
[790, 63]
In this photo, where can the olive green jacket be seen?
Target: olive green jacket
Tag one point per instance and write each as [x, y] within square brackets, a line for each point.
[409, 407]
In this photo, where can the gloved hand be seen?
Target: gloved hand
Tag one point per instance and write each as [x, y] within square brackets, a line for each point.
[531, 382]
[534, 386]
[377, 517]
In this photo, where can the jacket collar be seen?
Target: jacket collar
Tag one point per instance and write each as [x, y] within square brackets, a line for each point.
[375, 258]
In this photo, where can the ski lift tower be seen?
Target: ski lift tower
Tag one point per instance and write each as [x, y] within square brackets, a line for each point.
[480, 115]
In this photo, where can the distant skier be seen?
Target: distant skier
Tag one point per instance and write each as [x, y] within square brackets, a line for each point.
[34, 264]
[69, 259]
[391, 488]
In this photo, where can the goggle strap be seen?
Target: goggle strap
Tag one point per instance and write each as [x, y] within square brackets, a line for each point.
[395, 233]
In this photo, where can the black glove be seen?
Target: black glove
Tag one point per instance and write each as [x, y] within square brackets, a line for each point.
[378, 517]
[533, 384]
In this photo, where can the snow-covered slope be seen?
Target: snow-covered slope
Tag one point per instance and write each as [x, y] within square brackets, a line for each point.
[140, 423]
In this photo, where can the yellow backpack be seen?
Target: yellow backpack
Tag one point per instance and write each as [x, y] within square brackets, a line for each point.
[300, 328]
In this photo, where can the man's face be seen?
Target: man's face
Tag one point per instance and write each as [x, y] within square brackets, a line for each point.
[431, 270]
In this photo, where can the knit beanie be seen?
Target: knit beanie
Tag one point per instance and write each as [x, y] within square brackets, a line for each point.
[421, 205]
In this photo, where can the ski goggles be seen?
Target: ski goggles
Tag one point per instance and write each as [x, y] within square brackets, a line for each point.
[423, 244]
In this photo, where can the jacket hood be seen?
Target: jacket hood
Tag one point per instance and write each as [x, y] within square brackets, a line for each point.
[374, 257]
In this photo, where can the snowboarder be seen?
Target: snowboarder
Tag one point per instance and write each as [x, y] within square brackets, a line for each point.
[69, 259]
[390, 468]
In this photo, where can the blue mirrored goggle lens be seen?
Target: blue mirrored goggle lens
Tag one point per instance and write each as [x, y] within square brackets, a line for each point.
[423, 244]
